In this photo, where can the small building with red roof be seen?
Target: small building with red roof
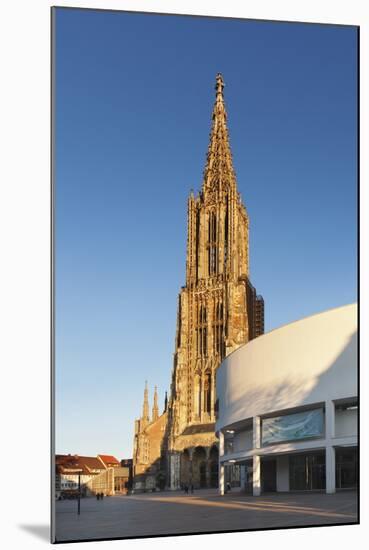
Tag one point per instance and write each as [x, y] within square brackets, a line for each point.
[109, 461]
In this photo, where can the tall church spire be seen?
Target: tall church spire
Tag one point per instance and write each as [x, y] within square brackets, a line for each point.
[145, 408]
[219, 172]
[217, 312]
[155, 408]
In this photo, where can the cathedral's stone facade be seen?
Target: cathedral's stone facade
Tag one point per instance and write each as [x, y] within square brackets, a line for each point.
[218, 310]
[149, 466]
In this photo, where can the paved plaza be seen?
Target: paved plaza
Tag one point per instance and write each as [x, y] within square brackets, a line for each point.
[204, 511]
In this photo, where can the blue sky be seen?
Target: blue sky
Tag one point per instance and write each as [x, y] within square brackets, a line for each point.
[134, 95]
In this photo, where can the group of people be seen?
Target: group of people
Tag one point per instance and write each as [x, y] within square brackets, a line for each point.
[187, 488]
[99, 496]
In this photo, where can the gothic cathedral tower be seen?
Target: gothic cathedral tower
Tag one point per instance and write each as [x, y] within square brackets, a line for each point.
[218, 310]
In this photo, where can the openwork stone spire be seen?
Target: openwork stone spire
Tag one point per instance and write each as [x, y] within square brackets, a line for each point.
[219, 172]
[217, 312]
[155, 408]
[145, 408]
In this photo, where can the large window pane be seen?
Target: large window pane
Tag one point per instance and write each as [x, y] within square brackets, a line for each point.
[291, 427]
[346, 468]
[307, 472]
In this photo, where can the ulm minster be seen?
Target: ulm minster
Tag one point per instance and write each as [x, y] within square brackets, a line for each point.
[218, 311]
[245, 416]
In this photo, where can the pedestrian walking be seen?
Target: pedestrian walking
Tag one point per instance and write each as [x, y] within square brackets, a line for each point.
[191, 488]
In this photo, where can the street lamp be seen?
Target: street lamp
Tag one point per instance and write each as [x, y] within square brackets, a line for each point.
[79, 492]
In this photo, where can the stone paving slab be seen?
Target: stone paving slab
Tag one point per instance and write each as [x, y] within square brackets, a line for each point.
[205, 511]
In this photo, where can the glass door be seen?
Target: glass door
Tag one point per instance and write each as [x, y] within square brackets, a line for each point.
[346, 468]
[268, 475]
[307, 472]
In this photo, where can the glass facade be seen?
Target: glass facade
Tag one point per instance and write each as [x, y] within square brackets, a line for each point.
[268, 475]
[346, 468]
[307, 472]
[228, 444]
[232, 475]
[248, 477]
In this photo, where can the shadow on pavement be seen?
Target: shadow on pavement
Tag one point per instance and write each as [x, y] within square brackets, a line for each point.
[40, 531]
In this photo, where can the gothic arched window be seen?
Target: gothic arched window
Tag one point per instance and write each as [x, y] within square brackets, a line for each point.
[197, 244]
[226, 237]
[219, 343]
[202, 332]
[197, 395]
[212, 245]
[207, 393]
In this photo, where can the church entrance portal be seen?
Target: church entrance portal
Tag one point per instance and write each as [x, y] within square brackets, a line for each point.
[185, 468]
[199, 467]
[203, 475]
[202, 470]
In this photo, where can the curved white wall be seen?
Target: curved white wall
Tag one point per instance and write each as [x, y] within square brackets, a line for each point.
[305, 362]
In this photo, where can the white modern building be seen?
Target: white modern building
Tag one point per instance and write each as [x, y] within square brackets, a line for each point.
[287, 407]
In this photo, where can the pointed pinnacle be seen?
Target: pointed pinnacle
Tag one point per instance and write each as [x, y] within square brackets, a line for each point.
[219, 172]
[219, 84]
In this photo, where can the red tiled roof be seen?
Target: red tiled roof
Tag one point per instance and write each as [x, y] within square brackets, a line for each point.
[109, 459]
[92, 462]
[85, 463]
[64, 460]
